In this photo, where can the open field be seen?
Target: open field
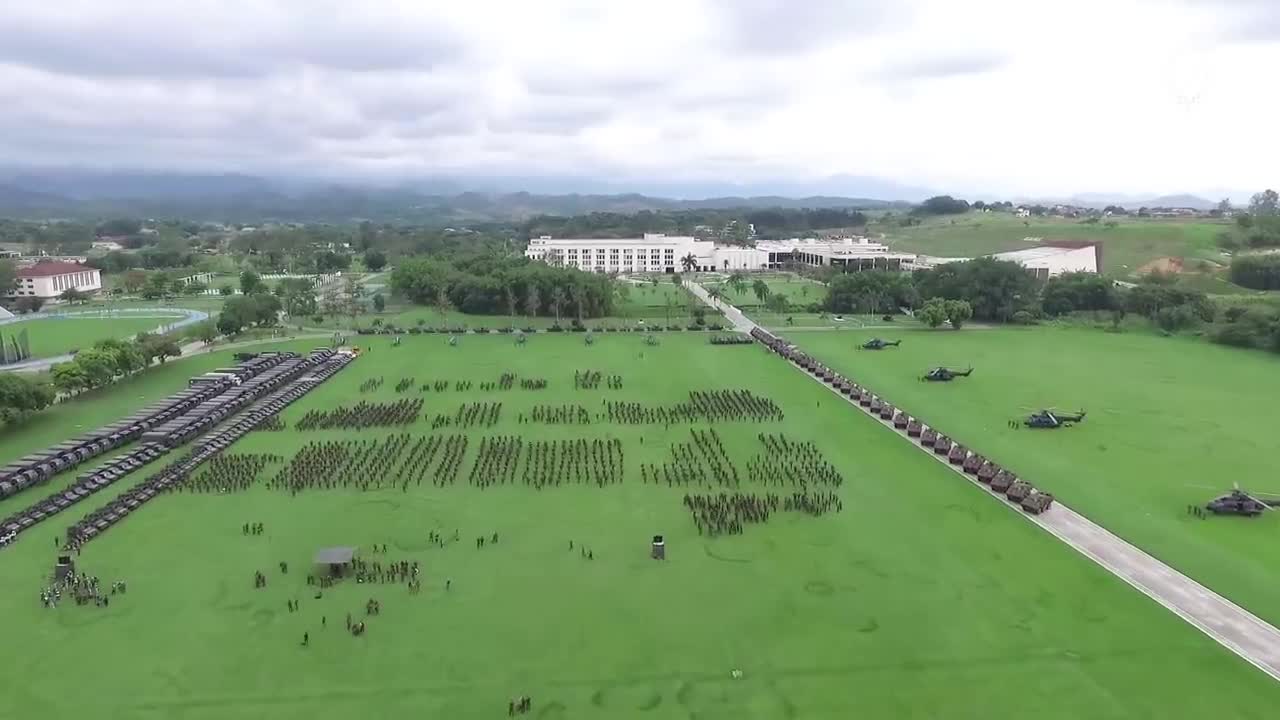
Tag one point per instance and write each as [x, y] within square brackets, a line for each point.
[922, 598]
[1131, 244]
[56, 336]
[1172, 422]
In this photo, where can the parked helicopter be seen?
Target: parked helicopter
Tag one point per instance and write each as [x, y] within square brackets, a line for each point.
[941, 374]
[1051, 420]
[1239, 502]
[878, 344]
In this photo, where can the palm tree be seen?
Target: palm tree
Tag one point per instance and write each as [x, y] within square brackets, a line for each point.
[761, 290]
[689, 262]
[669, 305]
[511, 304]
[737, 282]
[532, 302]
[715, 295]
[577, 295]
[557, 301]
[443, 306]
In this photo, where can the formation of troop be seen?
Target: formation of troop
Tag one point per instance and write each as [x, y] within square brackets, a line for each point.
[227, 473]
[703, 461]
[566, 414]
[787, 462]
[362, 464]
[590, 380]
[703, 406]
[730, 513]
[470, 415]
[363, 415]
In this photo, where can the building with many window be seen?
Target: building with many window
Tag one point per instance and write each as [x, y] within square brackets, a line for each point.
[49, 280]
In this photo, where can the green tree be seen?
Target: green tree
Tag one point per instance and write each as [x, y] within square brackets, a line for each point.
[737, 282]
[557, 302]
[195, 287]
[379, 302]
[21, 396]
[532, 301]
[777, 303]
[689, 263]
[72, 296]
[761, 290]
[226, 290]
[133, 281]
[29, 304]
[8, 277]
[250, 283]
[69, 378]
[958, 312]
[206, 331]
[374, 260]
[510, 292]
[157, 286]
[715, 295]
[933, 313]
[1265, 203]
[443, 306]
[99, 366]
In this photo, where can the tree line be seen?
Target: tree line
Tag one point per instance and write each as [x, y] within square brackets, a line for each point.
[109, 360]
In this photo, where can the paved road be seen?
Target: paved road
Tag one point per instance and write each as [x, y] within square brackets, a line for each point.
[1233, 627]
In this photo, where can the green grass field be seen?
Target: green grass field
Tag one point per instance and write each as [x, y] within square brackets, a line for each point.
[1172, 422]
[924, 598]
[56, 336]
[798, 291]
[1126, 247]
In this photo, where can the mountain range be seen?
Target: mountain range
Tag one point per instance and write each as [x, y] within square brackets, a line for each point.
[84, 193]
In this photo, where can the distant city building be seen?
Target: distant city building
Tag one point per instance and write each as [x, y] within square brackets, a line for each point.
[49, 280]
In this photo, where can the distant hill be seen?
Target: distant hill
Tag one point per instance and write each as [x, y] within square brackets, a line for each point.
[244, 198]
[1132, 202]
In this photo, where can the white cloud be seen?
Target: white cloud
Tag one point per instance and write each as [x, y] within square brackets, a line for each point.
[1001, 96]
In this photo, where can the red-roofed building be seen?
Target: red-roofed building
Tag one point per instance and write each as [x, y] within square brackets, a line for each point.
[49, 280]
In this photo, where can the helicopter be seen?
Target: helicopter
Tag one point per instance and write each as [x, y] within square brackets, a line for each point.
[941, 374]
[1239, 502]
[878, 344]
[1051, 420]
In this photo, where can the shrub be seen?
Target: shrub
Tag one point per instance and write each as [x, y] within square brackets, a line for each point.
[1022, 317]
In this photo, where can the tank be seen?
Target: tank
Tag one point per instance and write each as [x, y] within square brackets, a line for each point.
[928, 437]
[914, 428]
[866, 399]
[958, 455]
[1019, 490]
[901, 420]
[855, 393]
[876, 405]
[886, 412]
[1037, 502]
[942, 445]
[846, 387]
[972, 464]
[1002, 480]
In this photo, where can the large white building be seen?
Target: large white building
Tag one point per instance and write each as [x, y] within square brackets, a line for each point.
[657, 253]
[49, 280]
[1044, 260]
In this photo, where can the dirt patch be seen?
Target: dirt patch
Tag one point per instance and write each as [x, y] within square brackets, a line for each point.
[1164, 265]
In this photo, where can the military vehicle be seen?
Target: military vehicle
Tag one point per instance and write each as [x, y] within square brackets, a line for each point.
[876, 405]
[886, 412]
[1037, 502]
[901, 420]
[958, 454]
[972, 464]
[866, 399]
[1018, 490]
[1002, 480]
[1239, 502]
[942, 445]
[1052, 420]
[941, 374]
[928, 437]
[878, 344]
[986, 472]
[914, 427]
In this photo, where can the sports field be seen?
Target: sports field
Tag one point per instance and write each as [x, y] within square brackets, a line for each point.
[798, 291]
[1171, 422]
[921, 598]
[49, 337]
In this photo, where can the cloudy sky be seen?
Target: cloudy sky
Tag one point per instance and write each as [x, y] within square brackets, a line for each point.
[982, 96]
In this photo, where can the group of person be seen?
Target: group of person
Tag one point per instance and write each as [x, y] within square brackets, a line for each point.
[83, 588]
[703, 461]
[590, 380]
[703, 406]
[730, 513]
[557, 415]
[363, 464]
[227, 472]
[788, 462]
[363, 415]
[478, 414]
[371, 384]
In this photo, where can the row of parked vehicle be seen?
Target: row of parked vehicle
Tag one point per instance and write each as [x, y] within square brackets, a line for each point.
[307, 373]
[1000, 480]
[256, 376]
[37, 468]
